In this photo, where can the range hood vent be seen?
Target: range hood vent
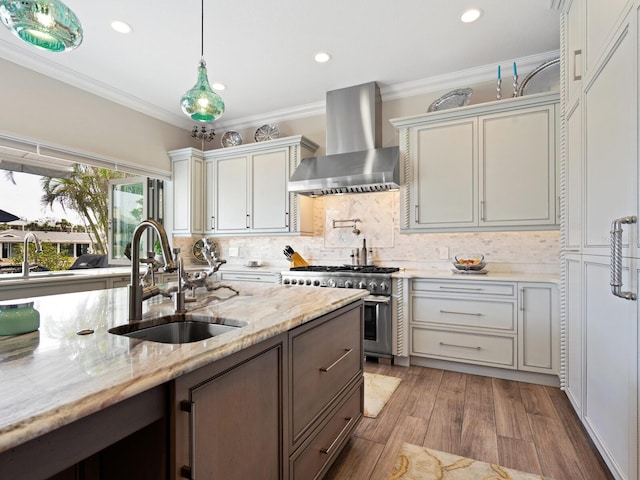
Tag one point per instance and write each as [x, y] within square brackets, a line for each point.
[355, 163]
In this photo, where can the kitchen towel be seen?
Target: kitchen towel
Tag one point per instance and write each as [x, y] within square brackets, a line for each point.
[421, 463]
[377, 392]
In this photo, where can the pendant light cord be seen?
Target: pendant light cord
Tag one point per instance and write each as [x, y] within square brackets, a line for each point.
[202, 29]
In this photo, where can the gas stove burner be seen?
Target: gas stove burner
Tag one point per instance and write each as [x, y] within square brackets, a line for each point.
[345, 268]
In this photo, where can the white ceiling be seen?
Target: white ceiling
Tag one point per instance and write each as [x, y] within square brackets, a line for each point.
[263, 51]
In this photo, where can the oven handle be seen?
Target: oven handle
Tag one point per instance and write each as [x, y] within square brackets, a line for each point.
[377, 299]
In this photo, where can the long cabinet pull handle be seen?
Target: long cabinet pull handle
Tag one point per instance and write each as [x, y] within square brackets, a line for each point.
[248, 221]
[522, 299]
[462, 313]
[459, 346]
[327, 451]
[213, 223]
[286, 219]
[417, 212]
[616, 257]
[576, 53]
[344, 355]
[482, 210]
[443, 287]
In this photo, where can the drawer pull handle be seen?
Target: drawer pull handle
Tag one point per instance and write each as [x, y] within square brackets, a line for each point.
[346, 352]
[462, 313]
[459, 346]
[444, 287]
[327, 451]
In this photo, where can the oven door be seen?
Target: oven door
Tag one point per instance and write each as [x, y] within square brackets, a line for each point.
[377, 326]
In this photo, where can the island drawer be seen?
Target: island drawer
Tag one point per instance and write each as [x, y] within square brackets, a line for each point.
[324, 359]
[491, 350]
[465, 287]
[465, 312]
[312, 459]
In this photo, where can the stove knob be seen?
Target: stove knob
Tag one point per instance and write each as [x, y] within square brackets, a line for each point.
[383, 287]
[348, 284]
[316, 283]
[294, 281]
[373, 286]
[362, 285]
[308, 282]
[331, 283]
[286, 281]
[301, 281]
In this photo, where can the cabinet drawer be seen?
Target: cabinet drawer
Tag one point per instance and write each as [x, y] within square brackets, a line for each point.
[477, 313]
[324, 359]
[468, 288]
[465, 347]
[248, 277]
[315, 456]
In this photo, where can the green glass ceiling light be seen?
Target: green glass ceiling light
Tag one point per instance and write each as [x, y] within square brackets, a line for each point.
[47, 24]
[201, 103]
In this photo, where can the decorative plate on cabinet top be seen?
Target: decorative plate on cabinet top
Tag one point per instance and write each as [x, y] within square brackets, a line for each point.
[453, 99]
[231, 138]
[544, 78]
[197, 251]
[266, 132]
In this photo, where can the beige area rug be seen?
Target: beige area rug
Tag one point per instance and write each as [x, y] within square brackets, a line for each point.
[377, 392]
[421, 463]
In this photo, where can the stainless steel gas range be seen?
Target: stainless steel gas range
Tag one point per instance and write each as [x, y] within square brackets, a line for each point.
[377, 280]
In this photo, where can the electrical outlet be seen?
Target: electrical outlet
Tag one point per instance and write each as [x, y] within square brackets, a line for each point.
[443, 253]
[233, 251]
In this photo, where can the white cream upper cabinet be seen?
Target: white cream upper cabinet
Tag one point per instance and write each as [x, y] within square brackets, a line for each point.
[611, 136]
[232, 194]
[489, 166]
[573, 179]
[574, 52]
[517, 168]
[246, 188]
[188, 184]
[269, 202]
[445, 171]
[602, 17]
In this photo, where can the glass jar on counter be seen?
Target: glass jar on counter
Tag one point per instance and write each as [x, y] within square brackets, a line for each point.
[18, 318]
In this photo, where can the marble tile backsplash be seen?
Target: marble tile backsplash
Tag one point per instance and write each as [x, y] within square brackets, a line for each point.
[525, 251]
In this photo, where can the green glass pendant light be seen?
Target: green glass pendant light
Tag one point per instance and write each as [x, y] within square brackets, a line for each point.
[47, 24]
[201, 103]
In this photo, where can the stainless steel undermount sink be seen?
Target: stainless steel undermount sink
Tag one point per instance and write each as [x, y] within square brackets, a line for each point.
[178, 328]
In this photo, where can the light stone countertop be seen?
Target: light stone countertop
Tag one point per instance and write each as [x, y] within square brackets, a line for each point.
[489, 276]
[54, 376]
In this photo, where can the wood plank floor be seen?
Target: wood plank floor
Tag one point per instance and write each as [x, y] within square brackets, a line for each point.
[528, 427]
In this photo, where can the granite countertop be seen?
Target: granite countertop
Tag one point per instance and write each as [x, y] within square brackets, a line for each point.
[489, 276]
[54, 376]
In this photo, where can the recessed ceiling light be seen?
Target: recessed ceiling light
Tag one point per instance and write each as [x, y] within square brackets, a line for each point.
[322, 57]
[471, 15]
[218, 86]
[121, 27]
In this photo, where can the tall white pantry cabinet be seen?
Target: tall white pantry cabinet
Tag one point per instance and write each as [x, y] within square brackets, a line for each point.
[599, 173]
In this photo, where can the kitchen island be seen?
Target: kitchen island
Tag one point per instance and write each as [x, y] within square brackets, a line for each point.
[59, 375]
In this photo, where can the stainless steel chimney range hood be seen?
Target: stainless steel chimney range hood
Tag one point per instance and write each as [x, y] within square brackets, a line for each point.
[354, 163]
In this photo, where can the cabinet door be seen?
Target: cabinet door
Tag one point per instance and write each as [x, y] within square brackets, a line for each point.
[611, 359]
[573, 179]
[517, 168]
[574, 50]
[232, 194]
[209, 196]
[574, 331]
[444, 189]
[236, 420]
[601, 19]
[269, 203]
[611, 131]
[538, 328]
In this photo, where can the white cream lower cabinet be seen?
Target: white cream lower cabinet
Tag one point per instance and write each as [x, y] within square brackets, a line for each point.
[511, 325]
